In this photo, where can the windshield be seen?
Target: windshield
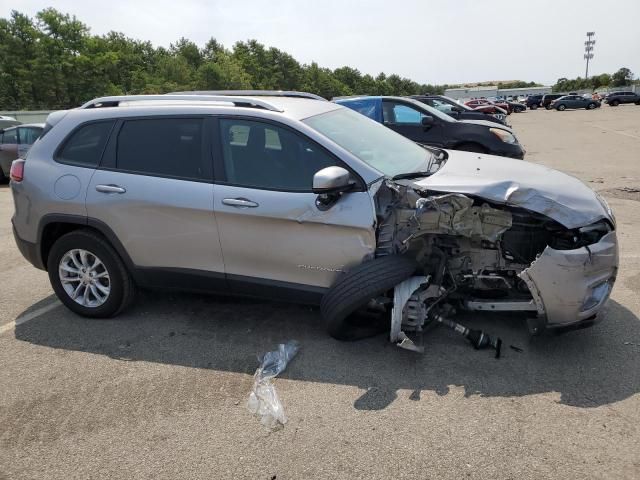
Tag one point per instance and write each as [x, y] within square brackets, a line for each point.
[372, 142]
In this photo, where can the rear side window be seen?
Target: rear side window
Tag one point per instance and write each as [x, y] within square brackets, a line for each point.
[85, 146]
[10, 136]
[165, 147]
[28, 135]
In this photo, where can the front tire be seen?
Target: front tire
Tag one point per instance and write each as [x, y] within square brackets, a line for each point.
[354, 289]
[591, 106]
[88, 275]
[534, 106]
[547, 107]
[561, 107]
[614, 103]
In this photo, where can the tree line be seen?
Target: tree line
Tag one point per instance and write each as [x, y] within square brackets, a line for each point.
[53, 61]
[622, 78]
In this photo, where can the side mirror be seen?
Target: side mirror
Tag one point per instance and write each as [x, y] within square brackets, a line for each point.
[331, 180]
[330, 183]
[427, 121]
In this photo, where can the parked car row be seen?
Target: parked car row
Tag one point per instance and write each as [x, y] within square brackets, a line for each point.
[563, 101]
[122, 193]
[461, 111]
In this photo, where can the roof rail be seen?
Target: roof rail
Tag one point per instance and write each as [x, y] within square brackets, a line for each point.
[254, 93]
[115, 101]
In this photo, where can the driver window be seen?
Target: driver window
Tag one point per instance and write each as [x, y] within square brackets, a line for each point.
[263, 155]
[399, 114]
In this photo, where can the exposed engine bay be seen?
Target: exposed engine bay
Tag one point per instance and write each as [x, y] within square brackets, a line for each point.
[474, 255]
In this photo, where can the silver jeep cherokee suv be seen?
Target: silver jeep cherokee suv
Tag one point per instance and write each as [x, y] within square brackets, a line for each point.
[292, 197]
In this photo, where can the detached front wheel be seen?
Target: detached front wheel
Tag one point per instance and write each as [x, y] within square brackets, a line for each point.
[88, 276]
[354, 289]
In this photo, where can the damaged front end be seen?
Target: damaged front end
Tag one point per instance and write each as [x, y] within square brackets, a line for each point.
[477, 254]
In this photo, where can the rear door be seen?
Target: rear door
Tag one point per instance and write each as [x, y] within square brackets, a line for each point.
[154, 189]
[407, 121]
[275, 239]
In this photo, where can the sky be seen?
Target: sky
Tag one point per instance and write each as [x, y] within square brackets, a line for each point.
[437, 42]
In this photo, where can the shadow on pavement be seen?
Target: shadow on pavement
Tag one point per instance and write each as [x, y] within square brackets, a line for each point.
[588, 368]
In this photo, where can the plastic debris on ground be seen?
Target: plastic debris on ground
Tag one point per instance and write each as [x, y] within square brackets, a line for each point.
[263, 399]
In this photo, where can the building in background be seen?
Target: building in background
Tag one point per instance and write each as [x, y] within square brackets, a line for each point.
[487, 91]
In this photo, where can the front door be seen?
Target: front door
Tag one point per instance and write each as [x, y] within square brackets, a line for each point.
[275, 240]
[154, 190]
[407, 121]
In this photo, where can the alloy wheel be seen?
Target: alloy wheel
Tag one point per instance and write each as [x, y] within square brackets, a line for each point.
[84, 278]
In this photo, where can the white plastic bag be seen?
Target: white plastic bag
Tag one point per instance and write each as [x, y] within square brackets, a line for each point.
[263, 399]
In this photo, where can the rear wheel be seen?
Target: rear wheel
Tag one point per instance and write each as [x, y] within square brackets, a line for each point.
[534, 106]
[547, 107]
[356, 288]
[614, 103]
[88, 276]
[561, 107]
[638, 102]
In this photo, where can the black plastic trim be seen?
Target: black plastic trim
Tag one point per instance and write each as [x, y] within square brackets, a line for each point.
[275, 290]
[184, 279]
[29, 250]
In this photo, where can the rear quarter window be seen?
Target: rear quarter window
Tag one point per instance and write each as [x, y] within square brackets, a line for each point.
[85, 145]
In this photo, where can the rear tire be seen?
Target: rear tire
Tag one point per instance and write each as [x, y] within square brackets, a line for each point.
[354, 289]
[547, 107]
[534, 106]
[65, 255]
[614, 103]
[471, 147]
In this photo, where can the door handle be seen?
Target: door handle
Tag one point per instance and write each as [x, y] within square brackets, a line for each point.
[110, 189]
[240, 202]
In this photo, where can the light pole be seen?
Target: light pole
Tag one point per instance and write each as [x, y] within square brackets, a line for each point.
[588, 51]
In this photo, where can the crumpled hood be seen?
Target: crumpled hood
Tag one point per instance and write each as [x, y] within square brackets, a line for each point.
[519, 183]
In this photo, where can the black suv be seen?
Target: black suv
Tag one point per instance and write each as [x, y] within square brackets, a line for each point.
[533, 101]
[429, 126]
[550, 97]
[616, 98]
[455, 110]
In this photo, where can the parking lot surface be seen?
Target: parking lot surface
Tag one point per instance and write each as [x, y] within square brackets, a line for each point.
[160, 391]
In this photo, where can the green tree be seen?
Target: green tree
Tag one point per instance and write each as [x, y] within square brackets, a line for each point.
[622, 78]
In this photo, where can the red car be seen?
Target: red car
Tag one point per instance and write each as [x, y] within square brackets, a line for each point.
[486, 106]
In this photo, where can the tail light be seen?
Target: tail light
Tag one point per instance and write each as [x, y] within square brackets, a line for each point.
[17, 170]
